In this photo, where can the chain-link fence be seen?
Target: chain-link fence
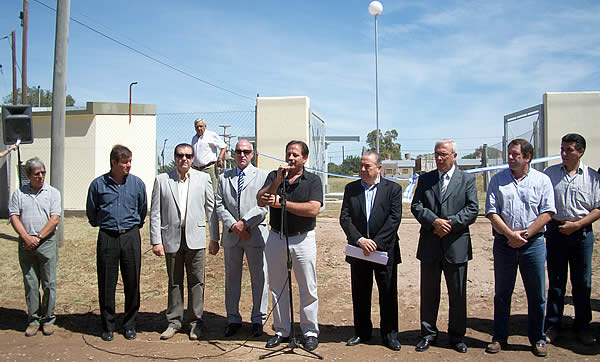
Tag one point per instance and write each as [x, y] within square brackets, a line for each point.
[175, 128]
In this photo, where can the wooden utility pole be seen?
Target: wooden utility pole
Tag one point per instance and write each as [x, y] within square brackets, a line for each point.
[24, 54]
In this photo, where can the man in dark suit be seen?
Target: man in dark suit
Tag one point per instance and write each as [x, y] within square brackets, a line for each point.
[370, 217]
[445, 204]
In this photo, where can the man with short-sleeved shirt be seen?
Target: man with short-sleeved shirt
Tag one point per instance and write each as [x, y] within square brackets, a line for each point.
[303, 199]
[34, 214]
[117, 204]
[520, 202]
[209, 151]
[570, 238]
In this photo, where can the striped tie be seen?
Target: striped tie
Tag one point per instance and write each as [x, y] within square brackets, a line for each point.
[443, 185]
[239, 194]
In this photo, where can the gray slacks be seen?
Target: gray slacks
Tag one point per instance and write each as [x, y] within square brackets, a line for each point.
[193, 262]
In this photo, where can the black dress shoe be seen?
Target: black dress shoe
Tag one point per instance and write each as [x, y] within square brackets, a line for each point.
[232, 329]
[108, 336]
[353, 341]
[424, 344]
[129, 334]
[257, 329]
[276, 341]
[459, 347]
[311, 343]
[392, 343]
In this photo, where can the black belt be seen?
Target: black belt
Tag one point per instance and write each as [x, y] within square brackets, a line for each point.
[554, 224]
[289, 234]
[116, 232]
[200, 168]
[501, 236]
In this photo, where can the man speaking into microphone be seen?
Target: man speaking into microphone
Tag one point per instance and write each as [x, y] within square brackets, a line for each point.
[303, 199]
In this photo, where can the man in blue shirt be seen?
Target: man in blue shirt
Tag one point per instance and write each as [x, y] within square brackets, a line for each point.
[117, 204]
[520, 202]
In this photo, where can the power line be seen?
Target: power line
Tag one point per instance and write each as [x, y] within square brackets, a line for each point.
[149, 56]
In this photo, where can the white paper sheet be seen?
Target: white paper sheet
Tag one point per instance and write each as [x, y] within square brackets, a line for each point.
[379, 257]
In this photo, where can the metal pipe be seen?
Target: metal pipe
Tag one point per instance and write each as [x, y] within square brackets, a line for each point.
[24, 54]
[14, 67]
[376, 89]
[130, 85]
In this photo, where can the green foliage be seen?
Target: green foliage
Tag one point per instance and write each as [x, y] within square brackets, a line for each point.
[387, 143]
[491, 153]
[350, 166]
[167, 168]
[32, 97]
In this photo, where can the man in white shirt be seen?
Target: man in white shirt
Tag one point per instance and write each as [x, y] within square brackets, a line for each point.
[570, 239]
[209, 151]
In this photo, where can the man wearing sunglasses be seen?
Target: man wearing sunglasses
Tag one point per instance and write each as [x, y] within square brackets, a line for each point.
[34, 213]
[244, 232]
[182, 200]
[209, 150]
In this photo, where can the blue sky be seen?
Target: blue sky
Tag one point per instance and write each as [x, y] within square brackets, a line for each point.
[447, 69]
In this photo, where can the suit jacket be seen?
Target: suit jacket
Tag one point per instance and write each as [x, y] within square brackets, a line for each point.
[165, 213]
[384, 221]
[459, 205]
[226, 206]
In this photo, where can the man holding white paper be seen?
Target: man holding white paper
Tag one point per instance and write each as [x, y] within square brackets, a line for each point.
[370, 217]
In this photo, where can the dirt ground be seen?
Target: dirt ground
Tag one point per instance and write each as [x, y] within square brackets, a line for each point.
[77, 337]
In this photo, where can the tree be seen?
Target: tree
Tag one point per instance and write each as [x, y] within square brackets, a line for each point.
[32, 97]
[350, 166]
[387, 143]
[491, 153]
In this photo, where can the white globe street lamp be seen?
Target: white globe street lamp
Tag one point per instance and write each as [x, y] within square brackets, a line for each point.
[375, 9]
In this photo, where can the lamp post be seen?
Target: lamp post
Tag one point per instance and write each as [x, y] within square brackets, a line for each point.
[375, 9]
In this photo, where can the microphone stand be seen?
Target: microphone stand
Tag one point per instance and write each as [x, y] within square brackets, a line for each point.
[293, 343]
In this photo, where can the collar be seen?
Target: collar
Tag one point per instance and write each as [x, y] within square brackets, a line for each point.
[375, 184]
[580, 168]
[239, 170]
[187, 176]
[449, 173]
[43, 188]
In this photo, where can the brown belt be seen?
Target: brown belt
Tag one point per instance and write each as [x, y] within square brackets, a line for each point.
[200, 168]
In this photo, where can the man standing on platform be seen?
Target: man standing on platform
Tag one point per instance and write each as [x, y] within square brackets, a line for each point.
[520, 202]
[182, 200]
[209, 151]
[370, 217]
[303, 200]
[34, 214]
[244, 232]
[445, 204]
[116, 203]
[570, 238]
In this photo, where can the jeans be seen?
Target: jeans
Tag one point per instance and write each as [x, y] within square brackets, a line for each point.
[572, 252]
[530, 259]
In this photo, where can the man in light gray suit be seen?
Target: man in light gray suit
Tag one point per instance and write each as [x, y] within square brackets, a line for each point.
[182, 200]
[244, 231]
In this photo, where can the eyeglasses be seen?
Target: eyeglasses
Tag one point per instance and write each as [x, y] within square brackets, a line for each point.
[443, 155]
[245, 152]
[39, 173]
[186, 155]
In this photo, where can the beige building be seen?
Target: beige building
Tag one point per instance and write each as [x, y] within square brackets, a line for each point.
[90, 133]
[572, 112]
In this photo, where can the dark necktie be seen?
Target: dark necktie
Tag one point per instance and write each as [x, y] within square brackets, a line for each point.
[239, 193]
